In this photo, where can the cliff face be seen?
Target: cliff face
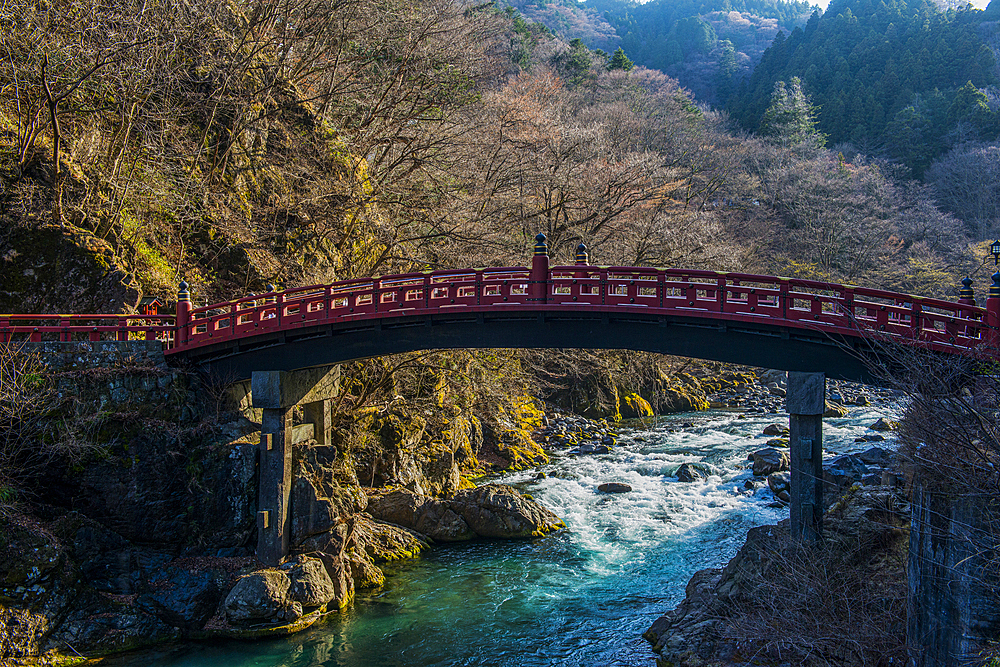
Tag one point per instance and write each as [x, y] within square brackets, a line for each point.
[44, 270]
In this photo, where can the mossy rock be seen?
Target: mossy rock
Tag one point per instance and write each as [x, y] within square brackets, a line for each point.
[636, 407]
[49, 269]
[684, 399]
[520, 450]
[283, 630]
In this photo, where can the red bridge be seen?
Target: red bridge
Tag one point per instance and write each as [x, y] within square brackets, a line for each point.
[788, 324]
[814, 329]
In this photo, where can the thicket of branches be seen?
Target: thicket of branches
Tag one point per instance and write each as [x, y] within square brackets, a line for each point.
[38, 425]
[842, 604]
[269, 141]
[237, 144]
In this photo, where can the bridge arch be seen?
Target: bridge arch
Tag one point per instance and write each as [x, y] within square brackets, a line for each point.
[756, 344]
[781, 323]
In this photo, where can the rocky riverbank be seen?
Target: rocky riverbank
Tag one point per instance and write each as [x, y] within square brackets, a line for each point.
[148, 538]
[781, 601]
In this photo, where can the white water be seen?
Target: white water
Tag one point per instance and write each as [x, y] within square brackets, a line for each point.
[582, 597]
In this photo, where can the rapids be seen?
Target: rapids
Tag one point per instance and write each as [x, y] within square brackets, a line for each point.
[581, 597]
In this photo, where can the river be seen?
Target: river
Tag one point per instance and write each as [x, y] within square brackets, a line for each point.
[581, 597]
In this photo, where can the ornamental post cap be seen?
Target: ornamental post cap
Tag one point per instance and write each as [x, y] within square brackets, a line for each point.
[540, 247]
[581, 254]
[995, 287]
[183, 293]
[966, 292]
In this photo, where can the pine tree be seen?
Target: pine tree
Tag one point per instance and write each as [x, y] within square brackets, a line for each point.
[620, 61]
[791, 118]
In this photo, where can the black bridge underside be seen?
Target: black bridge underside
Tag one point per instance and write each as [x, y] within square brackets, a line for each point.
[755, 343]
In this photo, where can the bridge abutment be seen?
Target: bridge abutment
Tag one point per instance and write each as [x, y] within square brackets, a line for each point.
[806, 401]
[276, 393]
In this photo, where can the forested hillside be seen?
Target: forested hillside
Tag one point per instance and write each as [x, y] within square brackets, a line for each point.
[900, 79]
[213, 142]
[710, 46]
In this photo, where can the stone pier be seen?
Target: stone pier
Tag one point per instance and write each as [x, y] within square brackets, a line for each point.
[806, 401]
[276, 394]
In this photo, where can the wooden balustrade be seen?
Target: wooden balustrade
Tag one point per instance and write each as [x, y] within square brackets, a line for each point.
[795, 303]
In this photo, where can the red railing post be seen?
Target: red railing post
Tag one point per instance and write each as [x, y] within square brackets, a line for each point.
[183, 315]
[582, 259]
[993, 313]
[538, 280]
[967, 297]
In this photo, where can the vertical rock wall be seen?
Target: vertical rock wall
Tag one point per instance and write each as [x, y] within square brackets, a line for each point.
[951, 611]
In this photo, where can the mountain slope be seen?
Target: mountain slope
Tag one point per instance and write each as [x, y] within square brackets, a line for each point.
[886, 76]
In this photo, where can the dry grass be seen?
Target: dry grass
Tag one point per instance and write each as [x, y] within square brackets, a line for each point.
[843, 603]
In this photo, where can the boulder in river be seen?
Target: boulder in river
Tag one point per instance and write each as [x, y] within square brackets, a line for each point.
[428, 516]
[498, 510]
[780, 484]
[614, 487]
[835, 410]
[260, 596]
[768, 460]
[689, 473]
[492, 510]
[309, 583]
[775, 429]
[884, 424]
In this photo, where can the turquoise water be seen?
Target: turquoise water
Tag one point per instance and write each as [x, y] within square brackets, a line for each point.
[582, 597]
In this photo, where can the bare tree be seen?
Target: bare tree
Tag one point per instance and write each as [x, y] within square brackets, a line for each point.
[966, 182]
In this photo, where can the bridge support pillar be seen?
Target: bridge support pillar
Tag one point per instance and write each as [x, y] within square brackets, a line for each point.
[274, 486]
[276, 393]
[806, 401]
[319, 414]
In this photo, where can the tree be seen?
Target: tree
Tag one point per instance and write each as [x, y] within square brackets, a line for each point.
[791, 118]
[620, 61]
[966, 182]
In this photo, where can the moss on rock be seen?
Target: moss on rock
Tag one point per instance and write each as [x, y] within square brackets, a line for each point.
[636, 407]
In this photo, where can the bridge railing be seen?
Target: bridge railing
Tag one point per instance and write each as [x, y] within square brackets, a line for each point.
[66, 328]
[747, 296]
[734, 297]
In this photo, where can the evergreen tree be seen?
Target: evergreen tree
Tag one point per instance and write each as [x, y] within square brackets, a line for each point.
[791, 118]
[577, 60]
[620, 61]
